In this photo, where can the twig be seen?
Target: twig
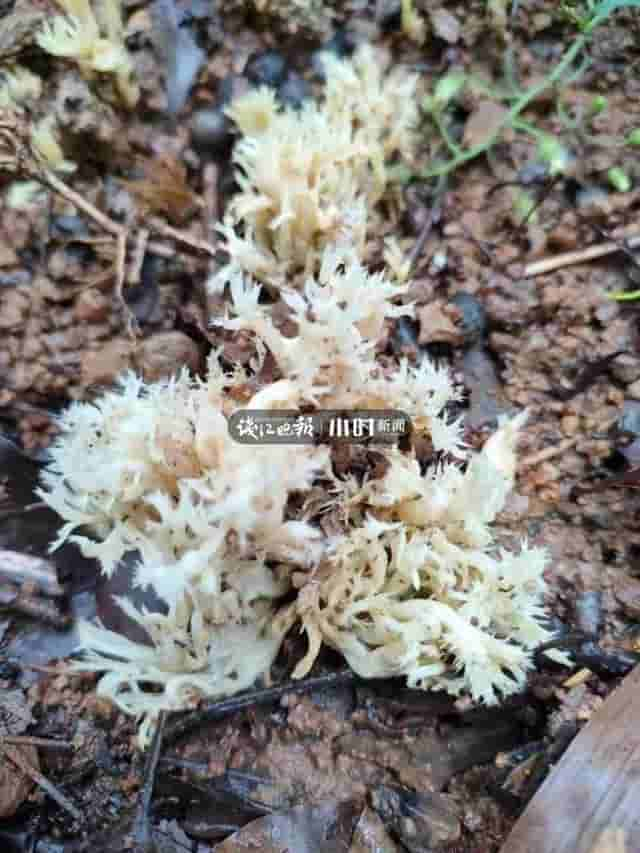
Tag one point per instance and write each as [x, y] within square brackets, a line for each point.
[433, 216]
[101, 219]
[142, 828]
[581, 256]
[211, 207]
[557, 449]
[20, 761]
[162, 250]
[139, 252]
[182, 238]
[28, 740]
[549, 452]
[222, 708]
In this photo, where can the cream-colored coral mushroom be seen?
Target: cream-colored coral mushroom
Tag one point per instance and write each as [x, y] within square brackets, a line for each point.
[413, 585]
[94, 39]
[410, 581]
[311, 178]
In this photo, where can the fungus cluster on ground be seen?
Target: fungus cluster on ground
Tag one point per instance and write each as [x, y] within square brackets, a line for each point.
[397, 571]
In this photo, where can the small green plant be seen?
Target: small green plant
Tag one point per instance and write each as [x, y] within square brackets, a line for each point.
[587, 17]
[619, 180]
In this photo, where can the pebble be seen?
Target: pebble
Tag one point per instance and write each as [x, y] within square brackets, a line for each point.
[627, 592]
[483, 383]
[103, 366]
[473, 317]
[570, 424]
[591, 196]
[629, 421]
[211, 131]
[165, 353]
[266, 68]
[68, 225]
[625, 368]
[142, 298]
[92, 306]
[482, 123]
[422, 821]
[445, 25]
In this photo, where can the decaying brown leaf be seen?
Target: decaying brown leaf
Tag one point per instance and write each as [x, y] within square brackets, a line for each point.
[324, 828]
[15, 787]
[164, 190]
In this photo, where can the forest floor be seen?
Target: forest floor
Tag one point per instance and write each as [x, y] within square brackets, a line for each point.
[355, 767]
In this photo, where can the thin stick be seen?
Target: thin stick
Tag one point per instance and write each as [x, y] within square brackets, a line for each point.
[28, 740]
[581, 256]
[211, 207]
[433, 216]
[142, 833]
[556, 449]
[222, 708]
[20, 761]
[548, 452]
[184, 239]
[139, 253]
[82, 204]
[162, 250]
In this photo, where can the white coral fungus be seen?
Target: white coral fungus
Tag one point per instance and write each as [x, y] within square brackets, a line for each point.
[397, 570]
[94, 39]
[311, 178]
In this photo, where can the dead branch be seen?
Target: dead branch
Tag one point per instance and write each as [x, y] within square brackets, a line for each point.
[627, 238]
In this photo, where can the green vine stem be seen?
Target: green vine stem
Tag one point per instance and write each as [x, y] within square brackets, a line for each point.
[521, 103]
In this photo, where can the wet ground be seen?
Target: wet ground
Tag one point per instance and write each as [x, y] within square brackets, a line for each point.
[417, 772]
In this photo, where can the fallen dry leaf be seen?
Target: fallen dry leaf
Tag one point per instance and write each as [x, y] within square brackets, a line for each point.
[483, 123]
[438, 326]
[15, 786]
[324, 828]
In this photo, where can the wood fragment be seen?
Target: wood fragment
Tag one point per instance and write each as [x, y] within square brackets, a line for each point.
[142, 827]
[139, 253]
[105, 222]
[581, 256]
[595, 787]
[548, 452]
[183, 238]
[28, 740]
[432, 218]
[218, 709]
[557, 449]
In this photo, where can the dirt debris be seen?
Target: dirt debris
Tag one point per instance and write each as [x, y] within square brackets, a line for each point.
[64, 335]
